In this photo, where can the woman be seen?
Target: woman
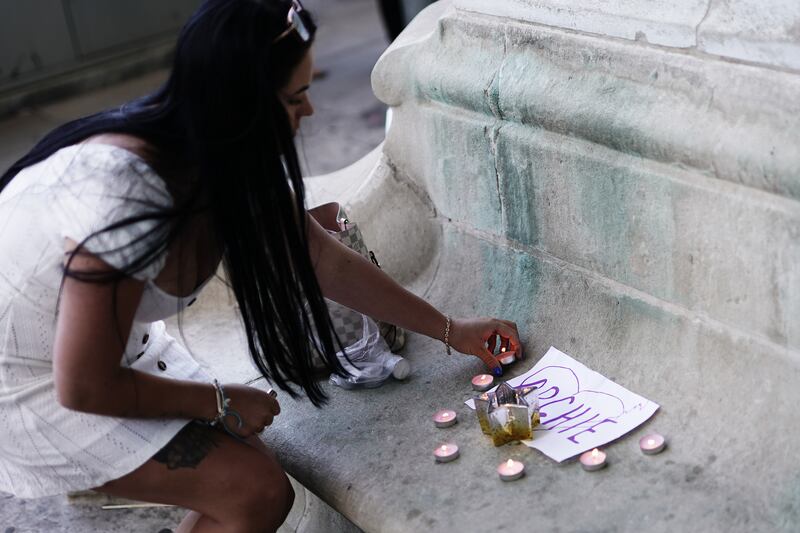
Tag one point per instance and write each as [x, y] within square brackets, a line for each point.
[116, 221]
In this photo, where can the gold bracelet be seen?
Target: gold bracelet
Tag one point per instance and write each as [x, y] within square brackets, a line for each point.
[447, 336]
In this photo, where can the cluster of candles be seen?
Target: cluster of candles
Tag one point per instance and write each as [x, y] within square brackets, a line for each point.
[444, 453]
[510, 470]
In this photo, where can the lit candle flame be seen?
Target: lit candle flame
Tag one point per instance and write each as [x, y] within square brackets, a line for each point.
[510, 463]
[444, 447]
[650, 442]
[503, 349]
[595, 453]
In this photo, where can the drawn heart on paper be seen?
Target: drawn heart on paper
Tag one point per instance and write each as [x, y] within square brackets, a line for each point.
[560, 388]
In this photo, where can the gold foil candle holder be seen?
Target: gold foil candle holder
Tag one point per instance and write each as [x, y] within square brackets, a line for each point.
[482, 403]
[508, 414]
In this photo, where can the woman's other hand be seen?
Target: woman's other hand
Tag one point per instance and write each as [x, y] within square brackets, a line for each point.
[472, 335]
[256, 408]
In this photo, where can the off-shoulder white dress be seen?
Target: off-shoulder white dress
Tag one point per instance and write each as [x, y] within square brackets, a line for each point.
[46, 449]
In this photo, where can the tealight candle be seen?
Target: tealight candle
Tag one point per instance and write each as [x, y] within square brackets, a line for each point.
[446, 453]
[482, 382]
[593, 460]
[505, 357]
[445, 418]
[652, 444]
[511, 470]
[508, 359]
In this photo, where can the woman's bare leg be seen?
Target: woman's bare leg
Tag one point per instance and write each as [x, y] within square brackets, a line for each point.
[230, 485]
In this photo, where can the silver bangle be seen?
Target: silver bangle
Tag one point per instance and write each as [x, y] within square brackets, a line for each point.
[447, 336]
[224, 410]
[222, 404]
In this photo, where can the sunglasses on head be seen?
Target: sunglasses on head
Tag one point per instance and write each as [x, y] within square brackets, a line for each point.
[296, 24]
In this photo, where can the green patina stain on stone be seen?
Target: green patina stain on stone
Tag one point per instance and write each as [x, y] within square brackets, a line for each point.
[462, 173]
[626, 214]
[443, 75]
[512, 279]
[496, 279]
[518, 179]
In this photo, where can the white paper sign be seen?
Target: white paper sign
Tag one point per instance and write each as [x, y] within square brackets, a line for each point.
[579, 408]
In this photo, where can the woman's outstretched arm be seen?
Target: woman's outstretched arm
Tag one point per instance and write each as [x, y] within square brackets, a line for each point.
[346, 277]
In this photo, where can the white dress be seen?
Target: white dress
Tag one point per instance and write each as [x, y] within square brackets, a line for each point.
[46, 449]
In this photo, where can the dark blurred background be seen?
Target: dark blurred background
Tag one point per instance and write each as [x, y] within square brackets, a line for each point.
[60, 59]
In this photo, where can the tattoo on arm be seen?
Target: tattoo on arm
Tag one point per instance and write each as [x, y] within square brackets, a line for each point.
[189, 447]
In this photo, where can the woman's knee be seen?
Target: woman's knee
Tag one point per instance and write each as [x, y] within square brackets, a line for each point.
[264, 497]
[277, 494]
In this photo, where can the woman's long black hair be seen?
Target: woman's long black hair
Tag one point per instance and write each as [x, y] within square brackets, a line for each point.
[219, 119]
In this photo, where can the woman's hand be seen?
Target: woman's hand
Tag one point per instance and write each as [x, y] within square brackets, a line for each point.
[472, 335]
[254, 406]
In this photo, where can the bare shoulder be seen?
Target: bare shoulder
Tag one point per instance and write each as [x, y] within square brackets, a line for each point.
[127, 142]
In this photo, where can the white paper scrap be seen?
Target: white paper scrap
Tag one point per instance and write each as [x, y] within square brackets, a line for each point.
[579, 408]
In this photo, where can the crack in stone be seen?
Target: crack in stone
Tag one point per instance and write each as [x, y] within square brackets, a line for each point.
[492, 137]
[435, 275]
[416, 189]
[492, 103]
[702, 20]
[494, 106]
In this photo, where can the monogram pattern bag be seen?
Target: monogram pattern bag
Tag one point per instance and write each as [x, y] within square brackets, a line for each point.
[346, 322]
